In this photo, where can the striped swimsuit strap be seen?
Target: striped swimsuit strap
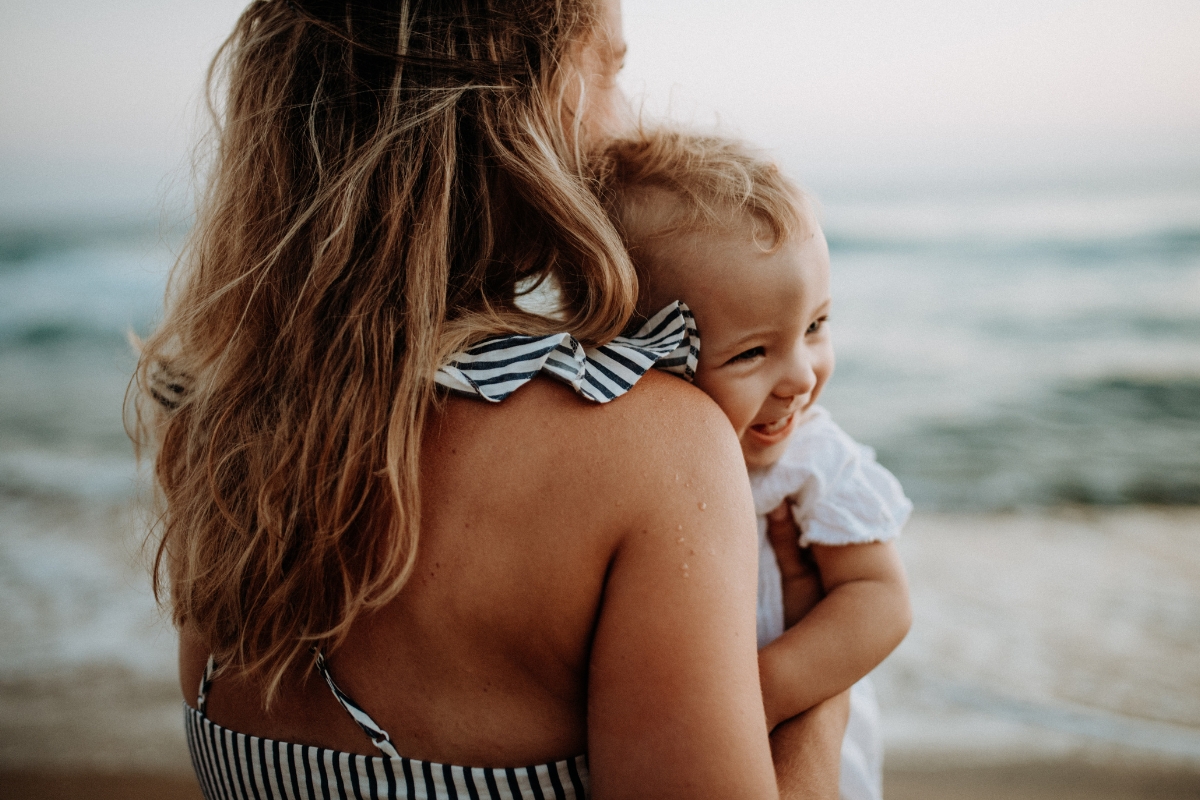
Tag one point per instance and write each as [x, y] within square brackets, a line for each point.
[496, 367]
[234, 765]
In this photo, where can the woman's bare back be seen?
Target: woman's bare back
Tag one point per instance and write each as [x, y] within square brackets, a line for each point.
[550, 527]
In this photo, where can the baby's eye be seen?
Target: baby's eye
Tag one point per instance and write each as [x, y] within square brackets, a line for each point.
[816, 325]
[752, 353]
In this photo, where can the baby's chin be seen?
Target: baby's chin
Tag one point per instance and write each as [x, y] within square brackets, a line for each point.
[758, 456]
[763, 445]
[762, 458]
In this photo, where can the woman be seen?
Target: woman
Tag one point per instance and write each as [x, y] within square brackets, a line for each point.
[493, 585]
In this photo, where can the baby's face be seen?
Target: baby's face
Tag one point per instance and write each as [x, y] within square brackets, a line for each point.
[765, 349]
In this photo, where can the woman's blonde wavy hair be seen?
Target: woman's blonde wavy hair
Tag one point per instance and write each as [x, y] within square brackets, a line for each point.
[386, 177]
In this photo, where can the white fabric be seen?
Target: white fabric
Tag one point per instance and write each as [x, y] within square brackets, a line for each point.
[841, 495]
[770, 590]
[862, 749]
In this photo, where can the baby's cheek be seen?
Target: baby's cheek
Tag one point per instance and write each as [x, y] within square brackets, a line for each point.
[741, 405]
[741, 419]
[738, 410]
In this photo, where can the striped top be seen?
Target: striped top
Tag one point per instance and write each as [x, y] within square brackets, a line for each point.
[496, 367]
[234, 766]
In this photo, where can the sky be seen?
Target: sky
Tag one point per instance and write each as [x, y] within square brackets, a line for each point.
[99, 102]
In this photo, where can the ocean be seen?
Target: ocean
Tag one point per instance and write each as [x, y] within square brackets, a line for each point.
[1022, 350]
[1019, 351]
[1003, 351]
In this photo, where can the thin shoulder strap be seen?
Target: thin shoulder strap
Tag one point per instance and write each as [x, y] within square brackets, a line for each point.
[377, 734]
[205, 685]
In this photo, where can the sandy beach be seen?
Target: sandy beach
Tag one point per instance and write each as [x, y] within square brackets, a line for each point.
[1053, 654]
[1050, 635]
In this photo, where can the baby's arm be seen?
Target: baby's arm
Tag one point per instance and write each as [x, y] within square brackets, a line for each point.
[865, 613]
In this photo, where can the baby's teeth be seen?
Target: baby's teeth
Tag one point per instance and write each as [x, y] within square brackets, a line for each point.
[777, 425]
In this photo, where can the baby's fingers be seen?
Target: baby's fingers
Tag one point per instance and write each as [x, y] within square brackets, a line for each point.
[801, 587]
[785, 541]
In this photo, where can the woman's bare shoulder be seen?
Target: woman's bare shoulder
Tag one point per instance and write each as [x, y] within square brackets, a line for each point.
[657, 401]
[641, 449]
[662, 420]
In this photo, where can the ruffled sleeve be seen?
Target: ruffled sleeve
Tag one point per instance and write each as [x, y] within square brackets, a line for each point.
[841, 494]
[496, 367]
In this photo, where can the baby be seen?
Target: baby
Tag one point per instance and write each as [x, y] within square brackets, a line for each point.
[709, 223]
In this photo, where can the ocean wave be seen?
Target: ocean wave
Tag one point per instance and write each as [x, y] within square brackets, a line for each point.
[1143, 326]
[47, 474]
[999, 352]
[81, 297]
[1165, 737]
[1073, 223]
[50, 334]
[1167, 244]
[24, 245]
[76, 594]
[1112, 440]
[1138, 398]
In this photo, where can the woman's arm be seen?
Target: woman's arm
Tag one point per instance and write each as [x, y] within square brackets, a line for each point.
[674, 706]
[807, 748]
[865, 613]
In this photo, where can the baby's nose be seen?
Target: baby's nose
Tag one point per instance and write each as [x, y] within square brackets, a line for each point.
[800, 378]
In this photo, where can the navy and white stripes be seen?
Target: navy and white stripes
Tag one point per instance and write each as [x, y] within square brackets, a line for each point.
[235, 766]
[496, 367]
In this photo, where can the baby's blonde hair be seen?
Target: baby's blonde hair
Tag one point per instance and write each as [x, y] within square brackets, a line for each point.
[661, 184]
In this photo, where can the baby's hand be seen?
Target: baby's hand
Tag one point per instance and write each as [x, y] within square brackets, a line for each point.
[801, 580]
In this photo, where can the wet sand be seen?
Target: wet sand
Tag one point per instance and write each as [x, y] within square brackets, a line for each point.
[1061, 635]
[1055, 781]
[96, 786]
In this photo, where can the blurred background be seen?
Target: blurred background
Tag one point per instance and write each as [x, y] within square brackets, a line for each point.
[1011, 192]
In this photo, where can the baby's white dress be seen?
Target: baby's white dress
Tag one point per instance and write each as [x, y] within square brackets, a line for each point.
[841, 496]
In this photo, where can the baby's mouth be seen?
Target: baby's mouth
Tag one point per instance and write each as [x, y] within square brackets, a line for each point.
[775, 431]
[773, 427]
